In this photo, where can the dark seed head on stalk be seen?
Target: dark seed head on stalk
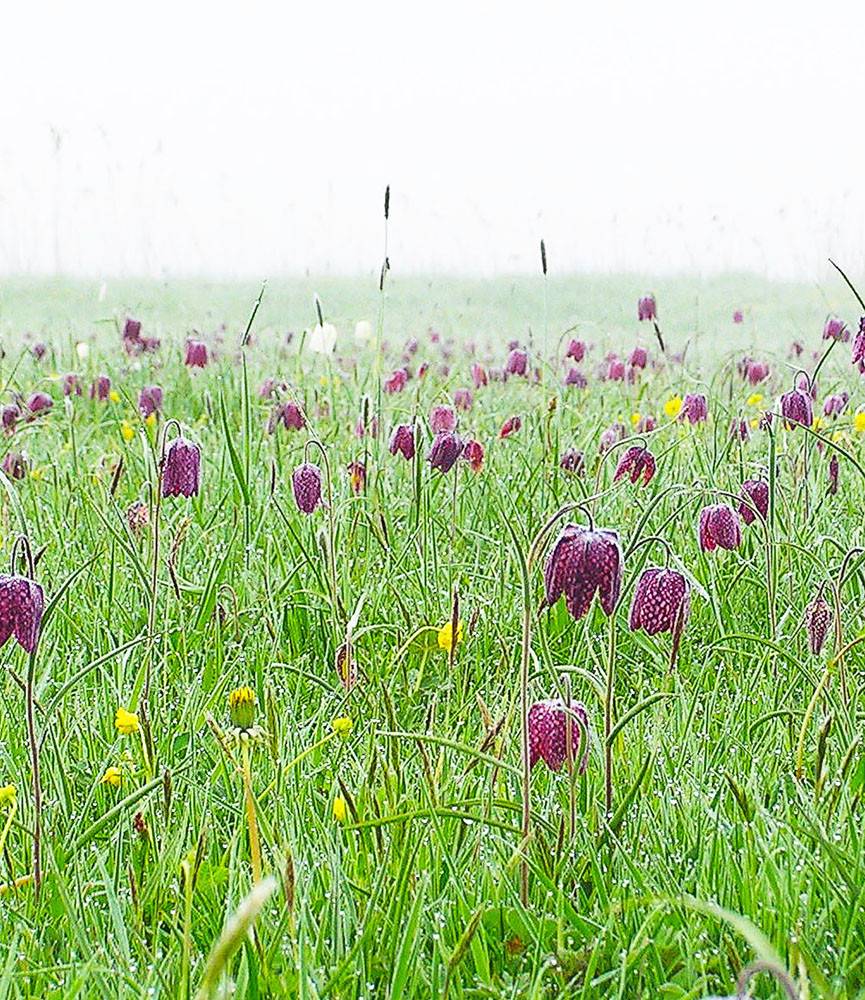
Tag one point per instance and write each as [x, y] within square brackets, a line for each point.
[387, 203]
[182, 473]
[662, 602]
[306, 484]
[719, 528]
[543, 258]
[548, 721]
[832, 489]
[582, 562]
[818, 618]
[755, 493]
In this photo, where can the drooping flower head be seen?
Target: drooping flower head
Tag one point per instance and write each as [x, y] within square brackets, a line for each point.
[647, 308]
[197, 354]
[181, 475]
[639, 357]
[357, 476]
[818, 618]
[22, 602]
[100, 388]
[39, 350]
[306, 484]
[612, 435]
[755, 493]
[573, 461]
[738, 316]
[739, 429]
[548, 733]
[833, 406]
[15, 465]
[694, 408]
[402, 441]
[576, 377]
[661, 603]
[289, 415]
[719, 527]
[479, 375]
[150, 400]
[582, 562]
[473, 453]
[858, 353]
[463, 399]
[445, 450]
[637, 462]
[576, 350]
[835, 329]
[396, 382]
[797, 408]
[757, 372]
[39, 402]
[615, 370]
[510, 426]
[442, 419]
[518, 362]
[832, 489]
[9, 415]
[71, 384]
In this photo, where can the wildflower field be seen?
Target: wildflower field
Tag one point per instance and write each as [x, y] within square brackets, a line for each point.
[456, 639]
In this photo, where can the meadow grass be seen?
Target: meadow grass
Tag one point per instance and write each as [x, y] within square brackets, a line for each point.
[392, 852]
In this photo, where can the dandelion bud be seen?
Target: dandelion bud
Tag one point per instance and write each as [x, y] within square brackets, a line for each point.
[306, 484]
[241, 708]
[446, 449]
[182, 473]
[637, 463]
[402, 441]
[818, 618]
[582, 562]
[548, 737]
[719, 527]
[755, 493]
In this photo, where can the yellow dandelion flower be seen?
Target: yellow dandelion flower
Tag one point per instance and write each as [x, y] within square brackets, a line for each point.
[755, 399]
[672, 406]
[150, 420]
[818, 423]
[126, 431]
[859, 422]
[340, 809]
[837, 435]
[37, 473]
[114, 396]
[446, 639]
[7, 795]
[241, 707]
[111, 777]
[342, 726]
[755, 423]
[126, 722]
[635, 419]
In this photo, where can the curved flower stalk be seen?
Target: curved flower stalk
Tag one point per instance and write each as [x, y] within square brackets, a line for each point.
[331, 524]
[661, 601]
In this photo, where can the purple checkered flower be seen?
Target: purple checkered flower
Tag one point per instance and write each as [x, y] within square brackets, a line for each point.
[637, 463]
[576, 350]
[833, 406]
[446, 449]
[518, 362]
[858, 352]
[402, 441]
[197, 354]
[662, 603]
[22, 602]
[9, 415]
[755, 493]
[442, 419]
[835, 329]
[39, 402]
[289, 415]
[14, 465]
[647, 308]
[818, 618]
[576, 377]
[306, 484]
[479, 375]
[548, 733]
[463, 399]
[573, 461]
[150, 400]
[694, 408]
[719, 527]
[639, 357]
[71, 385]
[797, 408]
[181, 475]
[100, 388]
[582, 562]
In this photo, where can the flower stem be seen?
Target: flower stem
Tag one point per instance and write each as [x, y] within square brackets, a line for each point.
[254, 842]
[608, 716]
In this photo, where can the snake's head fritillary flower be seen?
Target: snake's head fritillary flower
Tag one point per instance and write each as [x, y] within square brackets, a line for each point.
[796, 348]
[411, 346]
[757, 372]
[639, 357]
[806, 384]
[581, 563]
[71, 385]
[126, 722]
[197, 354]
[306, 484]
[662, 602]
[615, 370]
[402, 441]
[479, 375]
[518, 362]
[637, 462]
[694, 408]
[39, 402]
[137, 516]
[422, 369]
[645, 424]
[446, 449]
[22, 602]
[647, 308]
[14, 465]
[463, 399]
[797, 409]
[100, 388]
[9, 415]
[548, 733]
[131, 328]
[834, 469]
[289, 415]
[267, 388]
[738, 316]
[473, 453]
[442, 419]
[396, 382]
[836, 329]
[573, 461]
[755, 493]
[575, 377]
[719, 527]
[39, 350]
[576, 350]
[182, 473]
[150, 400]
[858, 352]
[612, 435]
[818, 618]
[510, 426]
[356, 476]
[833, 406]
[739, 429]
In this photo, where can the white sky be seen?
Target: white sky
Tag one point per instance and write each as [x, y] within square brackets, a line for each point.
[257, 138]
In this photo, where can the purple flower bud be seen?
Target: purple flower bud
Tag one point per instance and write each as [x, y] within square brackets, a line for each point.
[755, 493]
[397, 381]
[442, 419]
[858, 353]
[576, 377]
[636, 462]
[738, 316]
[446, 449]
[518, 362]
[182, 473]
[479, 375]
[306, 483]
[197, 354]
[639, 357]
[818, 618]
[576, 350]
[757, 372]
[100, 388]
[289, 415]
[647, 308]
[39, 402]
[463, 399]
[833, 406]
[402, 441]
[694, 408]
[510, 426]
[662, 602]
[22, 602]
[719, 526]
[9, 415]
[548, 733]
[131, 329]
[833, 475]
[835, 329]
[14, 465]
[584, 561]
[39, 350]
[796, 408]
[150, 400]
[573, 461]
[645, 424]
[71, 385]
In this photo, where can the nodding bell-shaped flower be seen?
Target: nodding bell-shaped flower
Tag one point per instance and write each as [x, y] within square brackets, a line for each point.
[797, 408]
[71, 385]
[39, 402]
[615, 370]
[858, 354]
[612, 435]
[197, 354]
[150, 400]
[694, 408]
[647, 308]
[757, 372]
[818, 618]
[582, 562]
[510, 426]
[518, 362]
[289, 415]
[137, 516]
[739, 429]
[738, 316]
[479, 375]
[446, 449]
[835, 329]
[402, 441]
[181, 475]
[662, 603]
[576, 377]
[22, 602]
[442, 419]
[548, 733]
[473, 453]
[755, 493]
[639, 357]
[832, 489]
[100, 388]
[719, 527]
[833, 406]
[9, 415]
[576, 350]
[306, 484]
[396, 382]
[39, 350]
[637, 463]
[15, 465]
[356, 476]
[463, 399]
[573, 461]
